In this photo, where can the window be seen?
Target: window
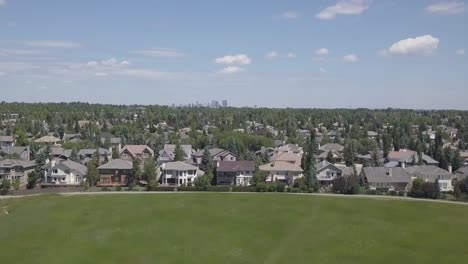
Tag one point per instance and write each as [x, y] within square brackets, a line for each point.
[55, 171]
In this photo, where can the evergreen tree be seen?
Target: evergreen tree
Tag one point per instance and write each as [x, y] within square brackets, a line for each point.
[149, 170]
[33, 176]
[92, 176]
[207, 162]
[436, 189]
[330, 157]
[136, 173]
[178, 153]
[74, 155]
[310, 171]
[456, 161]
[348, 154]
[115, 153]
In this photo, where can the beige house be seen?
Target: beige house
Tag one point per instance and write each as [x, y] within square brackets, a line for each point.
[282, 171]
[48, 140]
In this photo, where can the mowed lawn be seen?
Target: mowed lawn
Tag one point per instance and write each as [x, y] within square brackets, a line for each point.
[230, 228]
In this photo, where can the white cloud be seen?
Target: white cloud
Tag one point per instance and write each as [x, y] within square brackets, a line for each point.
[460, 52]
[3, 2]
[160, 53]
[344, 7]
[446, 8]
[350, 58]
[18, 52]
[290, 15]
[322, 52]
[422, 45]
[42, 88]
[231, 70]
[322, 70]
[109, 63]
[101, 74]
[51, 44]
[239, 59]
[274, 55]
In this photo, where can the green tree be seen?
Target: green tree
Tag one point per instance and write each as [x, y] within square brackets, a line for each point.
[417, 190]
[33, 176]
[330, 157]
[92, 175]
[178, 153]
[436, 189]
[16, 184]
[74, 155]
[149, 170]
[136, 173]
[207, 161]
[310, 171]
[457, 161]
[5, 186]
[115, 153]
[258, 176]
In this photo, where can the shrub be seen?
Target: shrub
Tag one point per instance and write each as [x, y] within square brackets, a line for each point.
[118, 188]
[189, 189]
[105, 189]
[261, 187]
[294, 190]
[382, 189]
[280, 186]
[165, 189]
[243, 189]
[271, 187]
[401, 193]
[372, 192]
[393, 193]
[218, 188]
[152, 186]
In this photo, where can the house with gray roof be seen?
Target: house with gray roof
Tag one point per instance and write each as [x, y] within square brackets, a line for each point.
[332, 147]
[66, 172]
[57, 152]
[115, 172]
[7, 141]
[234, 172]
[430, 173]
[20, 152]
[178, 173]
[217, 154]
[168, 153]
[85, 155]
[13, 169]
[392, 178]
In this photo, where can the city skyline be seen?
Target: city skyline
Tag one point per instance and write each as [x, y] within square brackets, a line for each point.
[325, 54]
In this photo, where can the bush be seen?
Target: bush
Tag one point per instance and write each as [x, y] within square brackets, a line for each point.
[243, 189]
[271, 187]
[401, 193]
[393, 193]
[118, 188]
[152, 186]
[189, 189]
[218, 188]
[372, 192]
[105, 189]
[295, 190]
[280, 186]
[261, 187]
[382, 189]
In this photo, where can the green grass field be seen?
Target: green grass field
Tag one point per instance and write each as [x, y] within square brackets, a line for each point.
[230, 228]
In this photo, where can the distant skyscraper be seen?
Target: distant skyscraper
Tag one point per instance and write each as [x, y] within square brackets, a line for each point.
[225, 104]
[214, 103]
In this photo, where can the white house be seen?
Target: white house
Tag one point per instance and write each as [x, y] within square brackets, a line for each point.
[64, 173]
[178, 173]
[282, 171]
[234, 172]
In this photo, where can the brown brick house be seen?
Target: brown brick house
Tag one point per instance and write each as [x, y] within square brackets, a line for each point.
[115, 172]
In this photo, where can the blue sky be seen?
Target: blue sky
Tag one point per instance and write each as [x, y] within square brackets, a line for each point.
[349, 53]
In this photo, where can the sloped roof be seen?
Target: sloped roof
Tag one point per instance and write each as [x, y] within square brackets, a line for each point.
[57, 151]
[231, 166]
[9, 163]
[178, 166]
[391, 175]
[47, 139]
[428, 172]
[7, 139]
[213, 152]
[14, 150]
[332, 147]
[286, 156]
[71, 165]
[325, 164]
[136, 149]
[280, 166]
[118, 164]
[102, 151]
[402, 155]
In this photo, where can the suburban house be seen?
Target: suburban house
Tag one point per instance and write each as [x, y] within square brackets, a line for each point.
[291, 148]
[217, 154]
[65, 172]
[372, 134]
[464, 156]
[131, 152]
[57, 152]
[335, 154]
[392, 178]
[266, 151]
[287, 157]
[405, 157]
[72, 137]
[327, 172]
[114, 142]
[86, 155]
[332, 147]
[430, 173]
[234, 172]
[7, 141]
[178, 173]
[51, 140]
[168, 153]
[20, 152]
[282, 171]
[12, 169]
[461, 173]
[115, 172]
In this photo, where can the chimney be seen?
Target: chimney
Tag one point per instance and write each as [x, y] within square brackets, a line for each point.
[47, 161]
[403, 164]
[52, 163]
[450, 168]
[217, 164]
[389, 172]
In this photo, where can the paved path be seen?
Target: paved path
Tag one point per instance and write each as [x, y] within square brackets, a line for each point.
[357, 196]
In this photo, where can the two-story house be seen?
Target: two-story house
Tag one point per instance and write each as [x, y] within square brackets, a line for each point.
[234, 172]
[217, 154]
[431, 174]
[141, 152]
[397, 178]
[178, 173]
[327, 172]
[168, 153]
[20, 152]
[86, 155]
[65, 172]
[13, 169]
[7, 141]
[115, 172]
[282, 171]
